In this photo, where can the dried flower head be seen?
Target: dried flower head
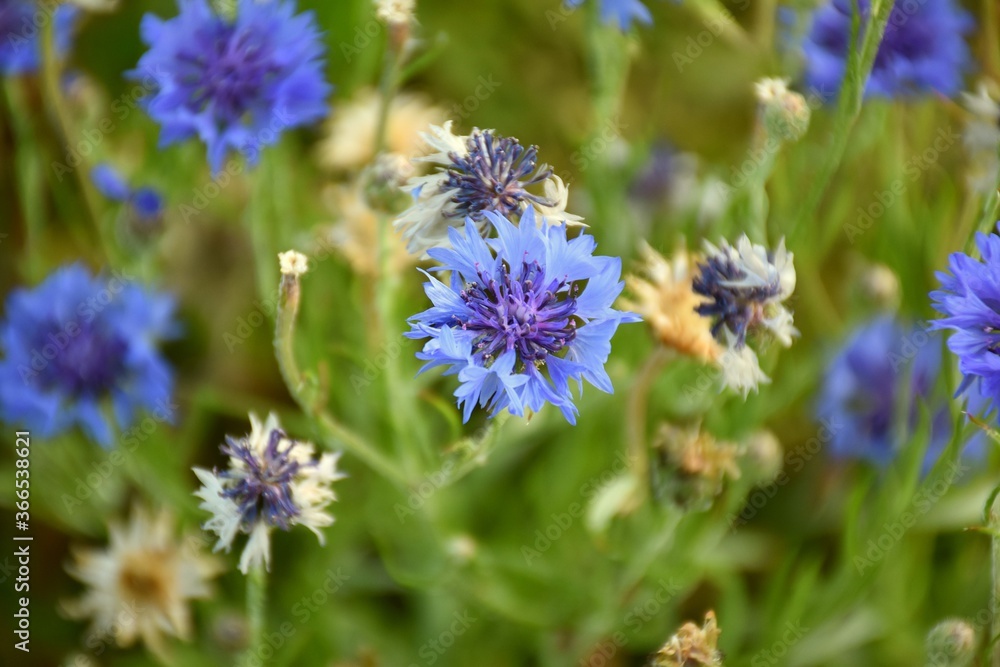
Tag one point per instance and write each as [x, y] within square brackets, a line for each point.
[140, 585]
[355, 234]
[477, 174]
[395, 11]
[292, 263]
[662, 294]
[272, 482]
[692, 646]
[694, 464]
[349, 142]
[783, 113]
[981, 137]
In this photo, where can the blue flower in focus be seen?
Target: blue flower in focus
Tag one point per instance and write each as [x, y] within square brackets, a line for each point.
[78, 349]
[882, 368]
[20, 37]
[969, 299]
[145, 203]
[523, 315]
[236, 84]
[622, 12]
[923, 49]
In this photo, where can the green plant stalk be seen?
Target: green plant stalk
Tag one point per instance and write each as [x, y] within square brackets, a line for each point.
[991, 37]
[57, 104]
[635, 422]
[987, 218]
[852, 90]
[304, 392]
[256, 614]
[28, 172]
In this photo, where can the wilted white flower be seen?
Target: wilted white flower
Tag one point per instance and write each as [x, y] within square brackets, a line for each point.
[140, 585]
[981, 138]
[292, 263]
[272, 482]
[476, 174]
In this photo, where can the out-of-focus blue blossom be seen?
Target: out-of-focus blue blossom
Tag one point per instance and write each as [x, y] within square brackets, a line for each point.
[236, 84]
[516, 323]
[620, 12]
[923, 50]
[20, 36]
[78, 349]
[881, 369]
[145, 203]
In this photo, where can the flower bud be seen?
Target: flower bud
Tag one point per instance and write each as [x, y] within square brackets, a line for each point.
[951, 643]
[782, 113]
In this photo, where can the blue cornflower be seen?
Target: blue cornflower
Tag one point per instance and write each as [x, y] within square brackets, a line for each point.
[923, 49]
[881, 369]
[969, 299]
[78, 347]
[20, 37]
[516, 323]
[145, 203]
[622, 12]
[478, 173]
[236, 84]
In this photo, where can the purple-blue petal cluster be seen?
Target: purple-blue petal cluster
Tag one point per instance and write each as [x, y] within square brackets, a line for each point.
[82, 350]
[620, 12]
[969, 300]
[21, 24]
[236, 84]
[523, 315]
[923, 49]
[882, 368]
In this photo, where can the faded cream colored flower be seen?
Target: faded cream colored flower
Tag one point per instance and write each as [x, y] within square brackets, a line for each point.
[140, 585]
[692, 646]
[350, 132]
[981, 137]
[355, 233]
[694, 464]
[661, 293]
[395, 11]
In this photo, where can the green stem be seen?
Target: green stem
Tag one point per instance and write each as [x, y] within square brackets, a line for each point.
[305, 393]
[849, 103]
[987, 219]
[256, 614]
[635, 422]
[57, 104]
[991, 38]
[479, 448]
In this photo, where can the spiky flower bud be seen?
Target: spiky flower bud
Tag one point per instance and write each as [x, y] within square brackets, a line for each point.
[951, 643]
[782, 113]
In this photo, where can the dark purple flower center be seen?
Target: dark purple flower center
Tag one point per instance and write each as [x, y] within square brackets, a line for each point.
[493, 177]
[227, 70]
[531, 315]
[88, 364]
[264, 488]
[734, 307]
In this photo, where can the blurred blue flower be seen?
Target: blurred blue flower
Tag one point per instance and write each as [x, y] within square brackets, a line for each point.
[882, 368]
[237, 84]
[923, 49]
[77, 347]
[524, 314]
[20, 37]
[622, 12]
[969, 299]
[145, 203]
